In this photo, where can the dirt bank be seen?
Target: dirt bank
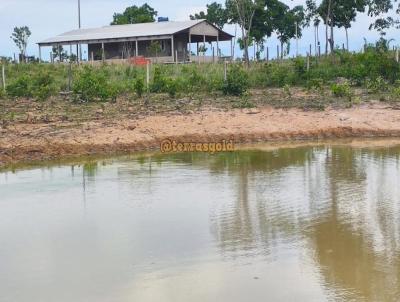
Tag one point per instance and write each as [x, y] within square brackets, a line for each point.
[43, 141]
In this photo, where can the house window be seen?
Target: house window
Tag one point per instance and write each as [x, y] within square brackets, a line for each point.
[163, 46]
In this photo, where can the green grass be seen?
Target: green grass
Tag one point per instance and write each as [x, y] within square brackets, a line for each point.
[374, 70]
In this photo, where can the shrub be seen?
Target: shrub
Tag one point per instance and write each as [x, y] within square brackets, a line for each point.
[92, 85]
[317, 84]
[395, 93]
[131, 72]
[287, 91]
[42, 86]
[194, 80]
[341, 90]
[243, 103]
[237, 81]
[300, 66]
[374, 64]
[376, 85]
[20, 87]
[172, 87]
[138, 86]
[159, 81]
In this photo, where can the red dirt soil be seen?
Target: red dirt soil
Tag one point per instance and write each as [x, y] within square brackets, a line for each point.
[27, 142]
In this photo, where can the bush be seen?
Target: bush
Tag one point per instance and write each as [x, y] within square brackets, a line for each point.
[300, 66]
[2, 93]
[243, 103]
[159, 81]
[237, 81]
[317, 84]
[373, 64]
[138, 86]
[343, 90]
[42, 86]
[376, 85]
[20, 87]
[172, 87]
[92, 85]
[395, 93]
[193, 79]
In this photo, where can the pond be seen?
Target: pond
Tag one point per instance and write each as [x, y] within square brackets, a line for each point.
[296, 223]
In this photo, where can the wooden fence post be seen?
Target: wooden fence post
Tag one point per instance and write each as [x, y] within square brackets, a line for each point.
[397, 55]
[70, 76]
[277, 52]
[213, 54]
[148, 74]
[3, 76]
[225, 70]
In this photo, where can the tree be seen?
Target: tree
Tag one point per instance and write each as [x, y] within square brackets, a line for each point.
[154, 48]
[263, 23]
[60, 53]
[312, 16]
[346, 13]
[340, 13]
[20, 37]
[242, 12]
[135, 14]
[325, 11]
[289, 24]
[203, 49]
[377, 8]
[216, 15]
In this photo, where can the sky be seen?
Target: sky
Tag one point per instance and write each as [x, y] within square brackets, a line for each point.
[48, 18]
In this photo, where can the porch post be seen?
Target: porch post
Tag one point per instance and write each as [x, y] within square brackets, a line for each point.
[136, 48]
[40, 54]
[77, 53]
[231, 49]
[102, 52]
[204, 47]
[190, 47]
[173, 49]
[218, 48]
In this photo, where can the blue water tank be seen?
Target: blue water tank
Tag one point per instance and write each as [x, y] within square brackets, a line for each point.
[163, 19]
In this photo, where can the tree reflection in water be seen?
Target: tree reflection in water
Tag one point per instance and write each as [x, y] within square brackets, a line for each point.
[339, 200]
[339, 204]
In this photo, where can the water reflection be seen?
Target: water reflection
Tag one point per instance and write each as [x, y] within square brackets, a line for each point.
[313, 223]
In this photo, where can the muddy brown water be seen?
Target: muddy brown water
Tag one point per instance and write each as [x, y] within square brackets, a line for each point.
[311, 223]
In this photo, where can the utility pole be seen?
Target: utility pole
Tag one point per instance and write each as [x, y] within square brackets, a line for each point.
[79, 13]
[79, 47]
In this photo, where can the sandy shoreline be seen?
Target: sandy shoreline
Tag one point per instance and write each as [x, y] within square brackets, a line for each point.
[44, 141]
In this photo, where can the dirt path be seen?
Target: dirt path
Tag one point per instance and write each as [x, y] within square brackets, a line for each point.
[26, 142]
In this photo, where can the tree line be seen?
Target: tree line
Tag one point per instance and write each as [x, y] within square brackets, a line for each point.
[257, 20]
